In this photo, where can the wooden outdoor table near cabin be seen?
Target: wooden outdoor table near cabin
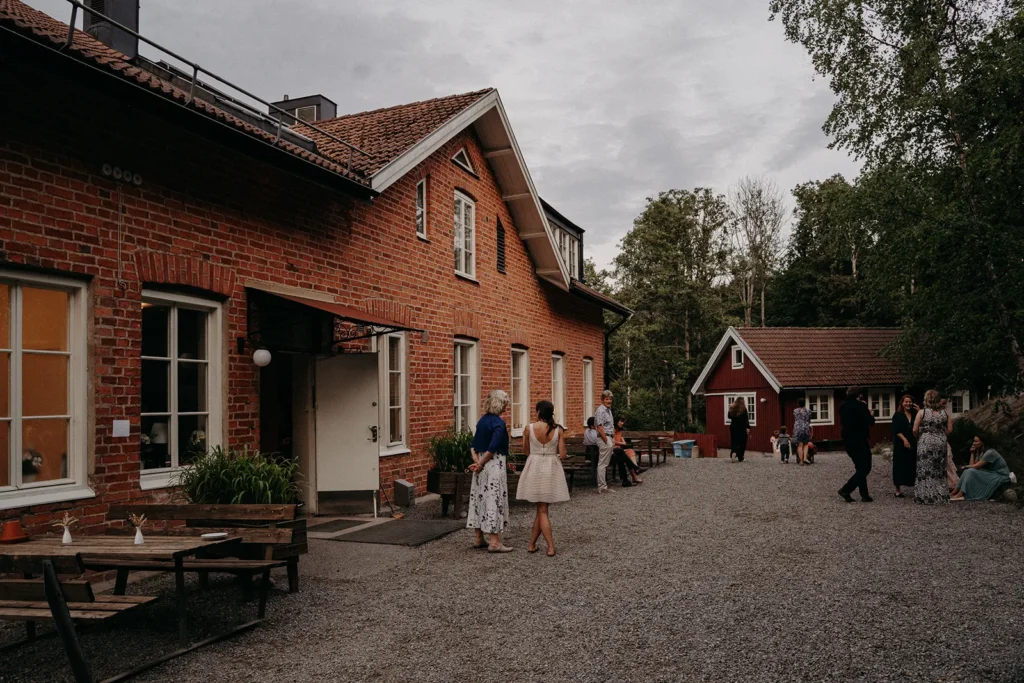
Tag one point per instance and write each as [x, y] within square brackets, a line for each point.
[94, 550]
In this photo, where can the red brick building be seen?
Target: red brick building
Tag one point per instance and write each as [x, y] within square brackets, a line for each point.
[774, 367]
[154, 234]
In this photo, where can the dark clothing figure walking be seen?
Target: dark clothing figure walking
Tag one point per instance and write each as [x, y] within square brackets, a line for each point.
[904, 457]
[739, 425]
[856, 419]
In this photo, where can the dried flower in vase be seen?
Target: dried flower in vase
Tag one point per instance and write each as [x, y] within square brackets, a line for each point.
[137, 521]
[66, 521]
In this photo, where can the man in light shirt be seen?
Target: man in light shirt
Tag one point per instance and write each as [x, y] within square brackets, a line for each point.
[604, 423]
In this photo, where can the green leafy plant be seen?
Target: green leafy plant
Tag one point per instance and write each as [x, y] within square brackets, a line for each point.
[451, 450]
[239, 476]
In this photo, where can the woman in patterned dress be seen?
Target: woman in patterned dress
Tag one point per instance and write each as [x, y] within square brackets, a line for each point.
[488, 495]
[801, 430]
[543, 479]
[931, 426]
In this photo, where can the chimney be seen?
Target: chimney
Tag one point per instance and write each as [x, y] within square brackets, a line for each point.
[310, 109]
[124, 12]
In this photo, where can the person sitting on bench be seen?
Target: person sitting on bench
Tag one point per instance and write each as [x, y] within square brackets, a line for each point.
[624, 458]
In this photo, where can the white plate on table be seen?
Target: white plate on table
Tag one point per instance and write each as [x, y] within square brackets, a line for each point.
[214, 536]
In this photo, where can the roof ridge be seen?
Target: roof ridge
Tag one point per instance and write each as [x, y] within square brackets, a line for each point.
[806, 329]
[432, 100]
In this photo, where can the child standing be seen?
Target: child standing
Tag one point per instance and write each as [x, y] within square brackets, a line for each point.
[784, 444]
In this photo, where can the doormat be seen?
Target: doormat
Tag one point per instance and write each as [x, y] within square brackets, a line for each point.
[337, 525]
[408, 532]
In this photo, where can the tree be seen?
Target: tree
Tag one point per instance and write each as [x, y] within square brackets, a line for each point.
[666, 272]
[929, 93]
[759, 212]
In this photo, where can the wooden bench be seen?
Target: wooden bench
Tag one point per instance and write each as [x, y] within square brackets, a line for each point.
[655, 444]
[271, 536]
[64, 603]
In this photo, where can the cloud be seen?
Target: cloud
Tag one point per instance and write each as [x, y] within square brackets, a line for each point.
[611, 101]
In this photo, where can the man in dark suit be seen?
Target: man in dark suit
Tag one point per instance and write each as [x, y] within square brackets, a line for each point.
[856, 419]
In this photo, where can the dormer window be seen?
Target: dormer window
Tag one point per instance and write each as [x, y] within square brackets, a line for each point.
[462, 159]
[737, 357]
[569, 250]
[306, 114]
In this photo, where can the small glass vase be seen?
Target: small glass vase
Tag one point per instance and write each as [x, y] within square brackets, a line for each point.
[139, 540]
[66, 540]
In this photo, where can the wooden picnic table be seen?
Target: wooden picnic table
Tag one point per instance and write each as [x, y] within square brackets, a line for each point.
[94, 550]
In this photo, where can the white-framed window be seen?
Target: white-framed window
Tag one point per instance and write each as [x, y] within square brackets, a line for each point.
[883, 403]
[306, 114]
[574, 258]
[751, 401]
[558, 385]
[737, 357]
[520, 390]
[181, 383]
[43, 390]
[466, 380]
[391, 350]
[465, 235]
[588, 389]
[462, 159]
[821, 406]
[959, 403]
[421, 209]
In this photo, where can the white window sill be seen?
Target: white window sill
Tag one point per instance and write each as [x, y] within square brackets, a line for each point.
[158, 479]
[823, 423]
[737, 367]
[422, 238]
[44, 495]
[467, 278]
[394, 450]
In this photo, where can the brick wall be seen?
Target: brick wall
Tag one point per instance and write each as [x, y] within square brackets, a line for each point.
[209, 220]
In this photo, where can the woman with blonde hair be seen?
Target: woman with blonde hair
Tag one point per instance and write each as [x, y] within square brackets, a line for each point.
[543, 479]
[488, 494]
[931, 427]
[739, 428]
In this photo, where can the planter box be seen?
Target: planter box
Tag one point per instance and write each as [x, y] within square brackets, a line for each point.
[444, 483]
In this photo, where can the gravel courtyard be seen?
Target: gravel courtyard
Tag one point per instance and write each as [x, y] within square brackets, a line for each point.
[711, 571]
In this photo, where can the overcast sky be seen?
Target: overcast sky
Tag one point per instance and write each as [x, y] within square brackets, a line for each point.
[610, 101]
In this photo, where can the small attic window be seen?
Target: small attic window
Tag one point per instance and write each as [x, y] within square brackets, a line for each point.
[737, 357]
[306, 114]
[462, 159]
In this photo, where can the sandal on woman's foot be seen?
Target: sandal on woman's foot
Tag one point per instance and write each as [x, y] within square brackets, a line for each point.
[532, 550]
[499, 549]
[479, 546]
[551, 552]
[899, 494]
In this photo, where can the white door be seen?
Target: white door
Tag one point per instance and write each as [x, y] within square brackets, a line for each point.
[346, 423]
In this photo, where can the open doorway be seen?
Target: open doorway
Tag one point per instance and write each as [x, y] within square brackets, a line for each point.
[276, 407]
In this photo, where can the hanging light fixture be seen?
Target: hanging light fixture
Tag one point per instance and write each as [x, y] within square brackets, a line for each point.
[261, 357]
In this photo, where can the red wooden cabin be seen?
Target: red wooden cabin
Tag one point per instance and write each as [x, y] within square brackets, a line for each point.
[774, 367]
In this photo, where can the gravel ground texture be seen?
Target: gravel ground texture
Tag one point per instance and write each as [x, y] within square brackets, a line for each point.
[711, 571]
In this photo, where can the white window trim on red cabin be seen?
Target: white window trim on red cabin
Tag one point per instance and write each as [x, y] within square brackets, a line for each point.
[746, 395]
[732, 356]
[830, 395]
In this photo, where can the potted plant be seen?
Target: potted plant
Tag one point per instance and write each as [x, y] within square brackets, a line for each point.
[238, 476]
[448, 476]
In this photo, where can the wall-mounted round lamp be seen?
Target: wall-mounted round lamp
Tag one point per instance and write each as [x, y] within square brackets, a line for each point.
[261, 357]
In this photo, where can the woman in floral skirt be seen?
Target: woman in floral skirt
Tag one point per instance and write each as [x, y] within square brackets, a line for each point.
[488, 494]
[931, 427]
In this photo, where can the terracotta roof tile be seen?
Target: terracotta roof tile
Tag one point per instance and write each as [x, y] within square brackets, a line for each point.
[385, 134]
[45, 29]
[825, 356]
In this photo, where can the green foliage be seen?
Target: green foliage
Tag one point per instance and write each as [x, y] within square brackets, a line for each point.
[669, 272]
[239, 476]
[451, 450]
[929, 93]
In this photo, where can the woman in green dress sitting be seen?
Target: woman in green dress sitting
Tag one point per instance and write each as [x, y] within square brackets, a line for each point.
[984, 475]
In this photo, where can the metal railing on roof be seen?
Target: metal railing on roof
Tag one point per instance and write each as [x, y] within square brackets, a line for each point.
[196, 70]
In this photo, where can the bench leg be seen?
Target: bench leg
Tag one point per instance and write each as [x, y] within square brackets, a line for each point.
[179, 590]
[261, 611]
[121, 582]
[247, 589]
[65, 628]
[30, 630]
[445, 501]
[293, 575]
[204, 580]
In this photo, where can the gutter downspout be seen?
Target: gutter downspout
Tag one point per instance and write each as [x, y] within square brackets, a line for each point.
[607, 343]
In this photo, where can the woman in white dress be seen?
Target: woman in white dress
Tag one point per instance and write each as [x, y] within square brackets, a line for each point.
[543, 479]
